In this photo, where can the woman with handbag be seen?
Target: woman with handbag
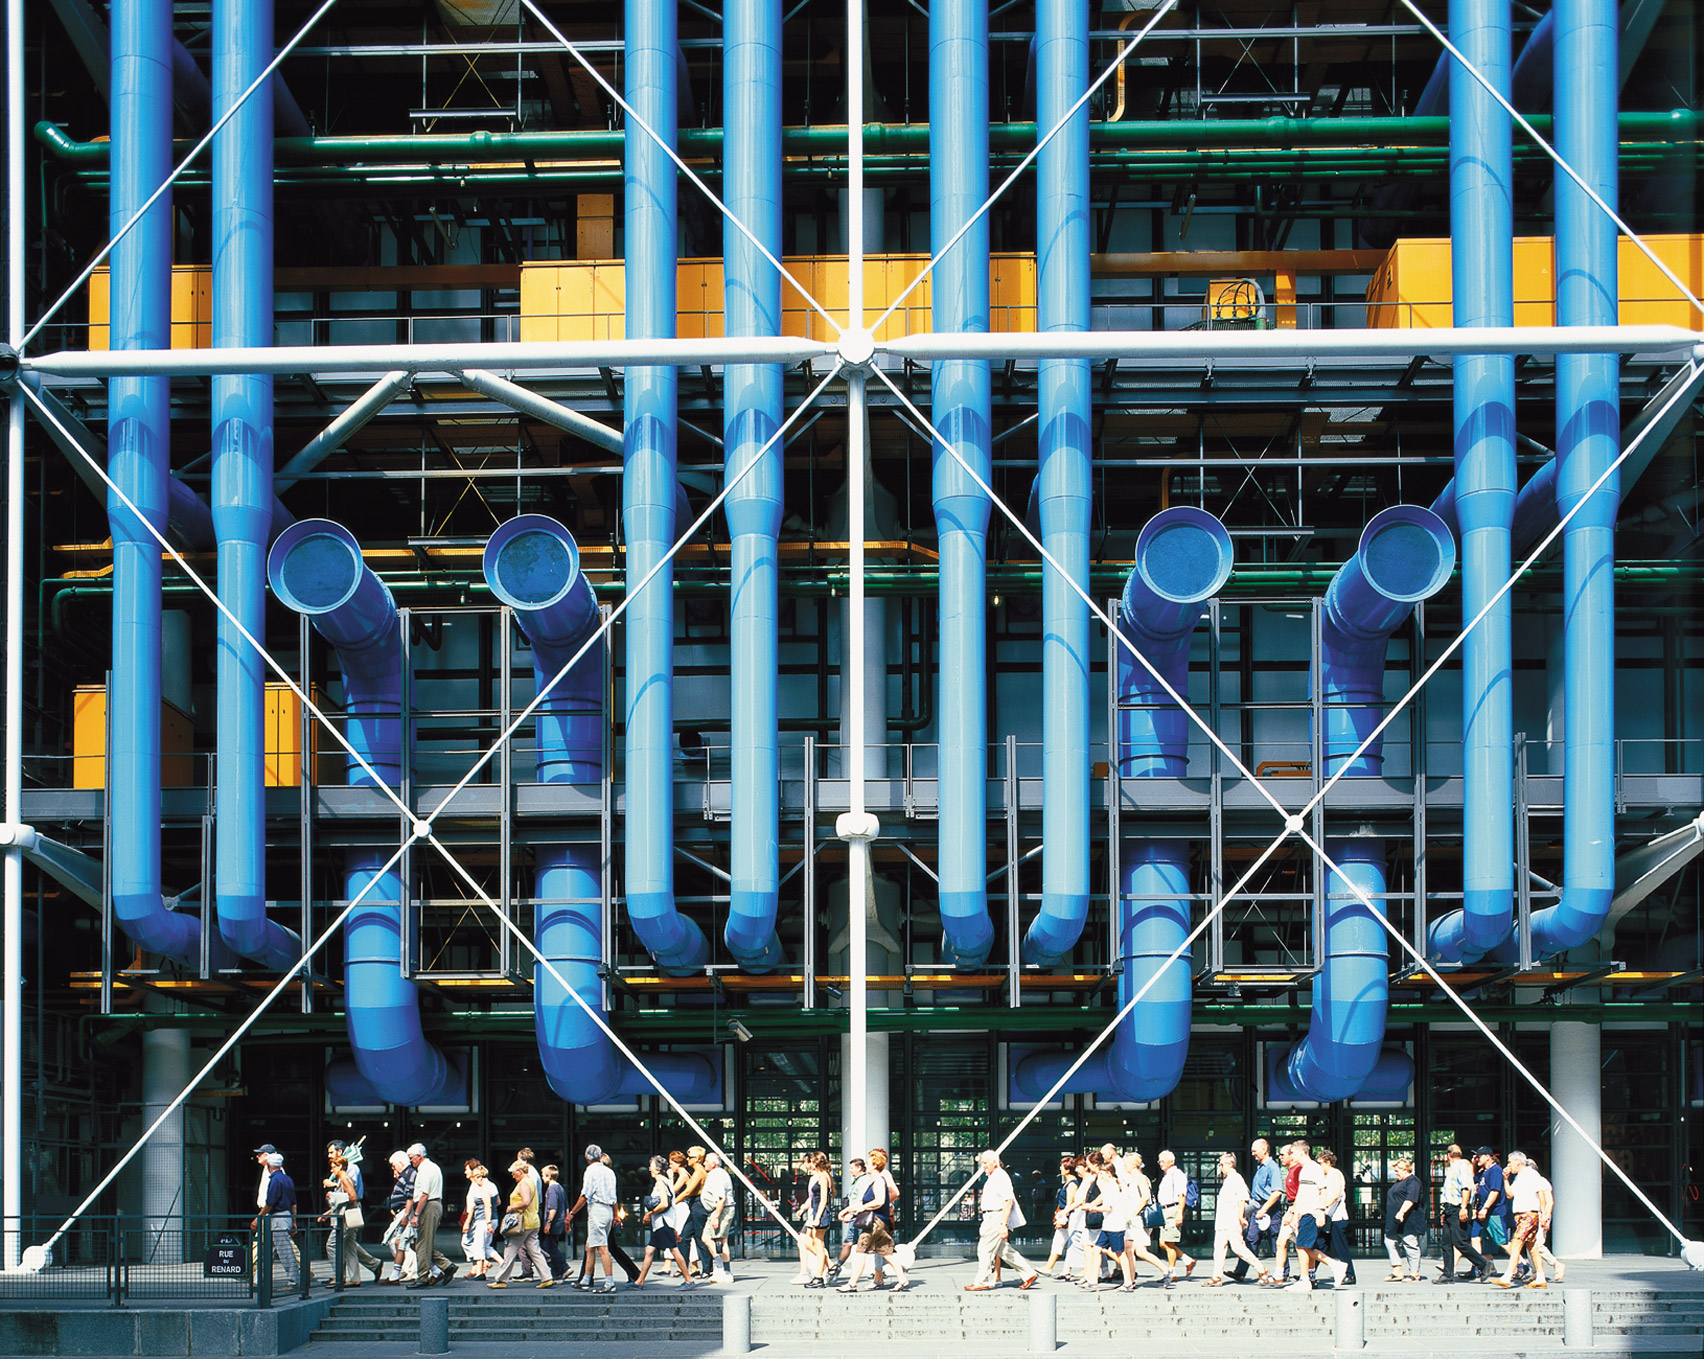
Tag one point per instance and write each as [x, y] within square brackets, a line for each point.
[479, 1220]
[659, 1204]
[1146, 1216]
[520, 1230]
[343, 1213]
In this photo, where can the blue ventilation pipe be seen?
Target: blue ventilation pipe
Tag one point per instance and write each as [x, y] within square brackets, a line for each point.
[751, 181]
[1183, 559]
[958, 186]
[1063, 480]
[140, 454]
[1588, 440]
[1482, 232]
[1406, 555]
[648, 492]
[533, 566]
[316, 569]
[242, 476]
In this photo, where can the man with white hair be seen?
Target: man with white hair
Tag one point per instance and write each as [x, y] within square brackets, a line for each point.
[717, 1197]
[999, 1215]
[1171, 1196]
[1533, 1200]
[1312, 1235]
[424, 1214]
[1230, 1221]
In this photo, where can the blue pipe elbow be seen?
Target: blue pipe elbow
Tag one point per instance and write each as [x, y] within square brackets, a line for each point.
[1390, 1079]
[1062, 491]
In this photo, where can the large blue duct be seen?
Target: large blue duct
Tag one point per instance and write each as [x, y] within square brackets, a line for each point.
[648, 490]
[1063, 479]
[533, 566]
[1183, 559]
[242, 476]
[1588, 440]
[1406, 554]
[316, 569]
[1482, 232]
[751, 182]
[958, 187]
[139, 438]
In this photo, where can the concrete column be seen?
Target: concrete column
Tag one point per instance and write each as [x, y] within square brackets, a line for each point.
[165, 1072]
[877, 1131]
[1575, 1065]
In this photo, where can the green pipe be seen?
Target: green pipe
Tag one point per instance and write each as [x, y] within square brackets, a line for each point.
[906, 138]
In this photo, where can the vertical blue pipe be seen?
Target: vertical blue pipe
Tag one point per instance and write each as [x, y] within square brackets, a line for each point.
[1183, 558]
[242, 475]
[533, 566]
[958, 186]
[1482, 231]
[648, 493]
[1406, 554]
[139, 440]
[1588, 439]
[1063, 478]
[751, 184]
[316, 569]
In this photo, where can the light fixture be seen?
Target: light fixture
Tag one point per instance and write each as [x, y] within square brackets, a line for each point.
[739, 1031]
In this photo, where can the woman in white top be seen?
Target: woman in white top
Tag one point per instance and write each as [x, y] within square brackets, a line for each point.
[1115, 1216]
[1230, 1221]
[1137, 1241]
[479, 1220]
[1337, 1213]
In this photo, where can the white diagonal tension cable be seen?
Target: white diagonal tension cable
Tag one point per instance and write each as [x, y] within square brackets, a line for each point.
[680, 164]
[1124, 52]
[1554, 155]
[1496, 1042]
[172, 178]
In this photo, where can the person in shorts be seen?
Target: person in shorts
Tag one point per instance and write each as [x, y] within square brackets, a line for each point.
[866, 1214]
[597, 1197]
[718, 1199]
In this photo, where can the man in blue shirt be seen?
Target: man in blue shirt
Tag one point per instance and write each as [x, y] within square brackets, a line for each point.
[1265, 1204]
[1491, 1201]
[281, 1216]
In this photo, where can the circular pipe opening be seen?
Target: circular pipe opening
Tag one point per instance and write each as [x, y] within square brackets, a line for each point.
[531, 562]
[1184, 554]
[315, 566]
[1407, 553]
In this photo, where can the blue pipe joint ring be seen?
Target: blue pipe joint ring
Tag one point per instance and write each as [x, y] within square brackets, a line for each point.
[532, 564]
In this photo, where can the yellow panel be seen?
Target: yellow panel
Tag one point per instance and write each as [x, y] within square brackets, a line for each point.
[1413, 285]
[89, 738]
[192, 307]
[283, 755]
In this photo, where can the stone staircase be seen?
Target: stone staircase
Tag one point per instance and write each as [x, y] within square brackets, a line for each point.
[1654, 1323]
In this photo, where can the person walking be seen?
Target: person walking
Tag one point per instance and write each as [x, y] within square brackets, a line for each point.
[1000, 1213]
[1110, 1244]
[520, 1230]
[880, 1165]
[819, 1195]
[1403, 1215]
[280, 1211]
[1545, 1192]
[1454, 1210]
[424, 1215]
[1292, 1171]
[1266, 1194]
[1062, 1242]
[865, 1212]
[690, 1194]
[717, 1197]
[1337, 1214]
[399, 1236]
[598, 1194]
[1139, 1189]
[555, 1223]
[1172, 1196]
[1230, 1221]
[1526, 1190]
[344, 1221]
[1312, 1235]
[1492, 1217]
[479, 1220]
[658, 1205]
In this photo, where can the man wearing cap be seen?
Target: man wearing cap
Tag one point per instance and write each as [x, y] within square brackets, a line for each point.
[597, 1197]
[280, 1210]
[1491, 1203]
[427, 1208]
[1455, 1209]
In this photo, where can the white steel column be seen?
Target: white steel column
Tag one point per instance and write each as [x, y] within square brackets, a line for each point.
[1576, 1080]
[12, 925]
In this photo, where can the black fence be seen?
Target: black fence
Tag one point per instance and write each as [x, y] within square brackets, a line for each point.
[121, 1258]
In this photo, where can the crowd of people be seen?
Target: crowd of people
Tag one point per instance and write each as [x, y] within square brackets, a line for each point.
[1287, 1221]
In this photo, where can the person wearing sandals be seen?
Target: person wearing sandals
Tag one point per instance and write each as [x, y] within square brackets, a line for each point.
[1063, 1245]
[1337, 1214]
[341, 1197]
[999, 1204]
[1402, 1218]
[1115, 1221]
[879, 1167]
[479, 1220]
[522, 1237]
[865, 1212]
[658, 1206]
[813, 1225]
[1139, 1189]
[1230, 1221]
[1531, 1199]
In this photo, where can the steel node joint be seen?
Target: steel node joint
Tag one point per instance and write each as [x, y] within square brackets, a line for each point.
[851, 826]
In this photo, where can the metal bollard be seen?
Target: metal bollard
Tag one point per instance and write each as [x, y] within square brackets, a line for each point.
[1577, 1318]
[736, 1323]
[434, 1325]
[1044, 1323]
[1351, 1322]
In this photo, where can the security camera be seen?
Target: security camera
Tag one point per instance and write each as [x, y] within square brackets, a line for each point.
[739, 1031]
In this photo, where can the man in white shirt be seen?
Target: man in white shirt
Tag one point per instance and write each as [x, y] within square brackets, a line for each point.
[1533, 1200]
[1230, 1221]
[424, 1215]
[999, 1200]
[1174, 1186]
[597, 1196]
[717, 1196]
[1311, 1233]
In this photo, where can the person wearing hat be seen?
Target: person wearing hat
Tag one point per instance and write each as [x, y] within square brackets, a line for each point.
[598, 1197]
[280, 1210]
[1454, 1211]
[424, 1213]
[1491, 1202]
